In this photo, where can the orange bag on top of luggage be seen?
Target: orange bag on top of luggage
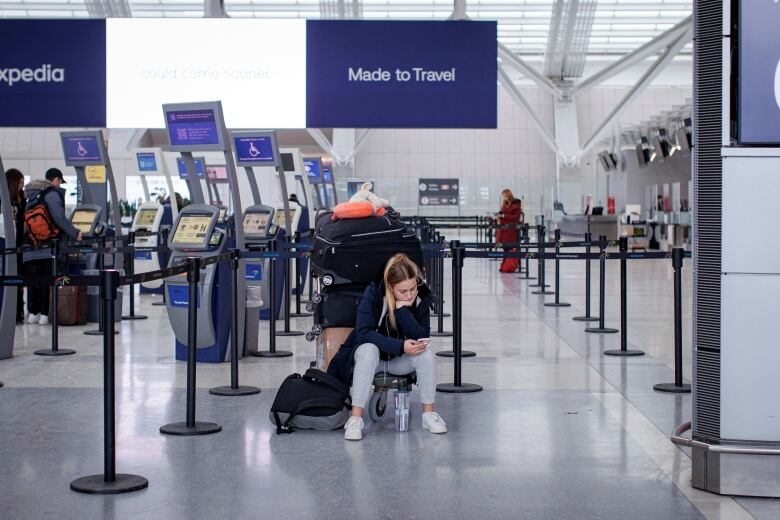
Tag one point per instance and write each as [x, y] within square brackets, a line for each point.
[356, 210]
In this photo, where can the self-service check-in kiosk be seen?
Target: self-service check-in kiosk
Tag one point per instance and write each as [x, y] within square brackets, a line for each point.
[199, 127]
[9, 268]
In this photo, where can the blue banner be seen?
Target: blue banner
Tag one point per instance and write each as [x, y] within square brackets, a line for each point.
[372, 74]
[53, 73]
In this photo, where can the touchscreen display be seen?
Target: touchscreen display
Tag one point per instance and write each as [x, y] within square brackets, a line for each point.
[82, 220]
[255, 223]
[192, 229]
[279, 217]
[146, 217]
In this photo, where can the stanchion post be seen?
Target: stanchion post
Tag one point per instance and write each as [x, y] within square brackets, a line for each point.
[624, 350]
[440, 314]
[164, 232]
[131, 286]
[234, 388]
[678, 387]
[457, 387]
[100, 264]
[587, 317]
[557, 302]
[109, 483]
[272, 352]
[541, 268]
[53, 315]
[191, 426]
[287, 292]
[602, 289]
[298, 287]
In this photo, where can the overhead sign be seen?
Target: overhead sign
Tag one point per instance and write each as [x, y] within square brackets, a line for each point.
[83, 148]
[52, 73]
[192, 128]
[759, 73]
[439, 192]
[255, 148]
[313, 170]
[401, 74]
[147, 161]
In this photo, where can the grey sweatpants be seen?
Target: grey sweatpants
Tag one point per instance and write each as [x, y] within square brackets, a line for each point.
[367, 363]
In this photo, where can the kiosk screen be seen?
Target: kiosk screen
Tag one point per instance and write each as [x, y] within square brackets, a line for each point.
[192, 229]
[146, 217]
[279, 217]
[82, 220]
[222, 212]
[255, 223]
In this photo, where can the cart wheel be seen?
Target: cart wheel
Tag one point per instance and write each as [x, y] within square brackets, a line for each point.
[327, 280]
[310, 336]
[317, 298]
[377, 405]
[310, 307]
[317, 329]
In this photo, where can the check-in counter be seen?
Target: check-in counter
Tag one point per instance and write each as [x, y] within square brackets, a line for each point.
[596, 225]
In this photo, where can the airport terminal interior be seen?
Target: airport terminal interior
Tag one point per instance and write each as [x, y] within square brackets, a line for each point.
[389, 259]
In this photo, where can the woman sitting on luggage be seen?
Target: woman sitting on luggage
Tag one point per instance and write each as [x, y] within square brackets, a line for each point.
[392, 317]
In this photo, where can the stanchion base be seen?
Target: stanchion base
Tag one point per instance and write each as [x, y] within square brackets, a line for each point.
[539, 285]
[159, 304]
[559, 304]
[463, 388]
[543, 292]
[54, 353]
[442, 334]
[623, 353]
[1, 384]
[671, 388]
[181, 428]
[290, 333]
[529, 278]
[268, 353]
[229, 390]
[450, 353]
[586, 318]
[97, 332]
[599, 330]
[301, 314]
[445, 315]
[97, 485]
[135, 317]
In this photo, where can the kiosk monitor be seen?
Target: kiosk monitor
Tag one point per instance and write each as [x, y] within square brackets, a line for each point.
[193, 229]
[146, 217]
[84, 220]
[279, 220]
[256, 224]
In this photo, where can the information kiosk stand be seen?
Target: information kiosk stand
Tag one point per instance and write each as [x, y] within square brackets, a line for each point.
[9, 268]
[199, 127]
[313, 167]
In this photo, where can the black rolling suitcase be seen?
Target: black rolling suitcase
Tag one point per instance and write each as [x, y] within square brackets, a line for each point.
[338, 305]
[355, 251]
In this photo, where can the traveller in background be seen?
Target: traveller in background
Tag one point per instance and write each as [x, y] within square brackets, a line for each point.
[391, 335]
[38, 262]
[511, 213]
[15, 180]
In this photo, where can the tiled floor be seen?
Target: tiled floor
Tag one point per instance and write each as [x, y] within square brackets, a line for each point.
[560, 431]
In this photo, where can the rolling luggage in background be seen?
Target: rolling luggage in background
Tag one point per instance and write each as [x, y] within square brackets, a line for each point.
[355, 251]
[338, 305]
[72, 305]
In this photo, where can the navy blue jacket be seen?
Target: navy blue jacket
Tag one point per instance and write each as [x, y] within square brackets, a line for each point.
[412, 322]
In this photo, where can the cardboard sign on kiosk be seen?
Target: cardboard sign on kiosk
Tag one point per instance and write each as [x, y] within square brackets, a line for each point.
[7, 294]
[199, 127]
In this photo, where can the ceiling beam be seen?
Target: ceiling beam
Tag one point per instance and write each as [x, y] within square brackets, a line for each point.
[511, 59]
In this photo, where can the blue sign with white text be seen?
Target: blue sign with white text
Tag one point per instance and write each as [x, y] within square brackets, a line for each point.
[83, 149]
[312, 167]
[200, 169]
[147, 162]
[401, 74]
[179, 296]
[192, 127]
[53, 73]
[327, 174]
[759, 73]
[254, 150]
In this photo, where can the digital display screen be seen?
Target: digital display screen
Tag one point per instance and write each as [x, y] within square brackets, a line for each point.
[312, 167]
[256, 223]
[254, 150]
[83, 220]
[217, 173]
[82, 149]
[199, 167]
[192, 229]
[147, 162]
[279, 220]
[145, 217]
[222, 212]
[288, 164]
[327, 174]
[192, 127]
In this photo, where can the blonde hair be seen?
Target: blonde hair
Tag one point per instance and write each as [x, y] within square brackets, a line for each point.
[398, 269]
[507, 191]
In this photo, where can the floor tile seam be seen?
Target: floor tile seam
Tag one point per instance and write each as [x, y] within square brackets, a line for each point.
[689, 492]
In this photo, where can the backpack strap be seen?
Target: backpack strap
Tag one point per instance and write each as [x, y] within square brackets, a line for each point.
[323, 377]
[308, 404]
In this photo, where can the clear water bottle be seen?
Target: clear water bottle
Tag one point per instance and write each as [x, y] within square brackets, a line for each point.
[401, 397]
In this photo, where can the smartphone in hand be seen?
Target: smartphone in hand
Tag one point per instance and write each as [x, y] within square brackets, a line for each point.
[426, 341]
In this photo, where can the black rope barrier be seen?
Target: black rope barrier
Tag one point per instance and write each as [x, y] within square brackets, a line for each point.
[130, 260]
[557, 291]
[602, 329]
[55, 349]
[286, 302]
[678, 387]
[273, 255]
[587, 316]
[624, 351]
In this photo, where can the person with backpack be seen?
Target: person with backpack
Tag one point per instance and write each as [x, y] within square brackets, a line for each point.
[391, 334]
[45, 220]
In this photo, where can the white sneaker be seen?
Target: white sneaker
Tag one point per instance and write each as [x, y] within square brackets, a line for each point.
[353, 430]
[33, 318]
[433, 422]
[44, 320]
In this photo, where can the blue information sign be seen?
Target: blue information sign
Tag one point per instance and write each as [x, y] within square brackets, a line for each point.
[254, 150]
[312, 167]
[200, 169]
[82, 149]
[192, 127]
[147, 161]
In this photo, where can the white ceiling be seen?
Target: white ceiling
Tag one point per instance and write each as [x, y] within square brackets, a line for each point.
[523, 25]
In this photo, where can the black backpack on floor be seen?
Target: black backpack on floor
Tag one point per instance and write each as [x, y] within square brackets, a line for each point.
[314, 400]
